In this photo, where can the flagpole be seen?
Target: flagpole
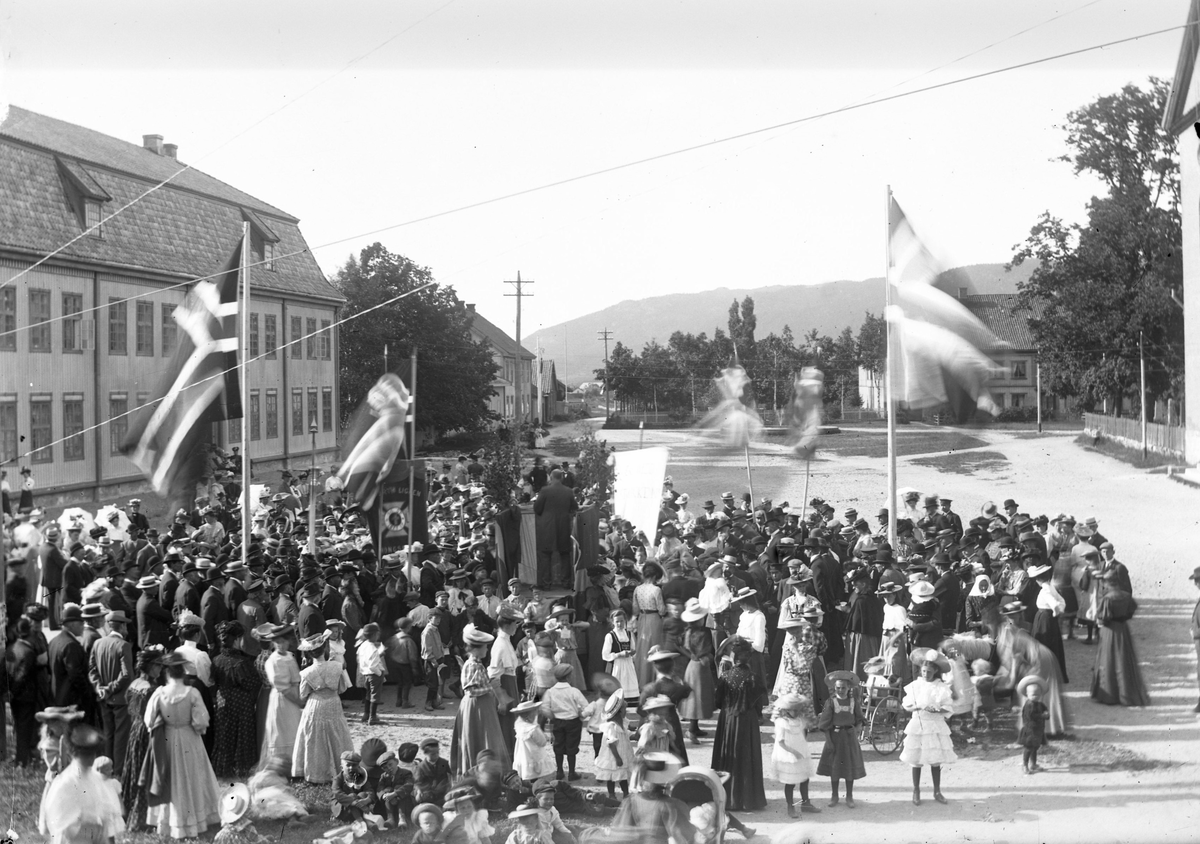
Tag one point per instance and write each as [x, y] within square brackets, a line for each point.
[412, 452]
[890, 369]
[244, 270]
[749, 477]
[807, 471]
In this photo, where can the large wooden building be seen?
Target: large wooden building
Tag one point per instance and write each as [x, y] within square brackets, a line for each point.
[86, 335]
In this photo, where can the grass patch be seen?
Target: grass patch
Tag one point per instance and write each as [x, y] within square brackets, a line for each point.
[911, 441]
[965, 463]
[1132, 456]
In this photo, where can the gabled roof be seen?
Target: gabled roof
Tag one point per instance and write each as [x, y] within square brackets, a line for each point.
[1178, 116]
[183, 230]
[546, 378]
[1003, 314]
[501, 342]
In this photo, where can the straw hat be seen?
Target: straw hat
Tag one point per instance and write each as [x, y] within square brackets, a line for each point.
[921, 655]
[235, 802]
[790, 701]
[525, 706]
[660, 767]
[921, 590]
[692, 611]
[1030, 680]
[615, 701]
[657, 702]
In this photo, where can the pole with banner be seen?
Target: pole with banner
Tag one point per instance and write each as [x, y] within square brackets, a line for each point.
[244, 269]
[411, 421]
[891, 370]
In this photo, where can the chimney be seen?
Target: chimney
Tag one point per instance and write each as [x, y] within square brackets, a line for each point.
[153, 143]
[962, 293]
[171, 150]
[470, 309]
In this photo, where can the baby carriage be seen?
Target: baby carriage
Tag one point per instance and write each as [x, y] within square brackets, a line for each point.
[696, 787]
[885, 717]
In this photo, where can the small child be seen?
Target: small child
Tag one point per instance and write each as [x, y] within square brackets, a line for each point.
[352, 798]
[406, 653]
[528, 828]
[789, 758]
[104, 767]
[236, 825]
[372, 670]
[433, 653]
[1034, 715]
[550, 822]
[593, 722]
[565, 703]
[394, 793]
[427, 818]
[841, 757]
[542, 666]
[270, 796]
[337, 645]
[654, 735]
[488, 776]
[615, 759]
[531, 756]
[432, 775]
[984, 682]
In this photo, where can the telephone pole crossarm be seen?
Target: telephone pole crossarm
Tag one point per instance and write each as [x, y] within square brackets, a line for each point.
[518, 398]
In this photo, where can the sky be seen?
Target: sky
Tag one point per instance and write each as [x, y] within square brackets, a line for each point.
[370, 120]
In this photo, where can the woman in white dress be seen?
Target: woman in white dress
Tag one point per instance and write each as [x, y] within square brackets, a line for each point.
[284, 705]
[927, 736]
[323, 734]
[177, 710]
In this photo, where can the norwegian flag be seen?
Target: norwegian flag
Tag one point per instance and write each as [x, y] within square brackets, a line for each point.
[169, 436]
[374, 439]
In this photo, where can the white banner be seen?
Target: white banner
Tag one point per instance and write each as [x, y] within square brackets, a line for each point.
[638, 488]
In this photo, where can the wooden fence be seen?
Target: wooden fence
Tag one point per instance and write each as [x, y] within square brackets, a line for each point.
[1164, 439]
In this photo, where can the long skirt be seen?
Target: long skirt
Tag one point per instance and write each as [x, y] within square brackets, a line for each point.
[235, 749]
[649, 633]
[737, 749]
[820, 688]
[133, 795]
[321, 738]
[595, 634]
[699, 704]
[926, 741]
[476, 728]
[1046, 630]
[841, 757]
[508, 684]
[282, 722]
[800, 683]
[1117, 678]
[1054, 698]
[859, 648]
[194, 795]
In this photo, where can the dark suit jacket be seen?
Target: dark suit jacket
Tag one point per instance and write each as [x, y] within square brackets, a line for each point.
[73, 581]
[213, 611]
[68, 671]
[310, 621]
[331, 603]
[110, 669]
[432, 582]
[153, 622]
[187, 597]
[553, 507]
[948, 591]
[235, 593]
[52, 565]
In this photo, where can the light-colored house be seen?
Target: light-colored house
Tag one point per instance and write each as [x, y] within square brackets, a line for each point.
[508, 354]
[1179, 118]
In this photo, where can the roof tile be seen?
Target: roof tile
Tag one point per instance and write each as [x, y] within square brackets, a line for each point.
[1006, 317]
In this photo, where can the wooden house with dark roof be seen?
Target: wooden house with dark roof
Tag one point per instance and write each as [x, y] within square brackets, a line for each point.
[86, 335]
[1015, 385]
[508, 355]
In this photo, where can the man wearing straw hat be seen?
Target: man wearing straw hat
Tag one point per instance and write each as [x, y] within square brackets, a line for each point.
[110, 670]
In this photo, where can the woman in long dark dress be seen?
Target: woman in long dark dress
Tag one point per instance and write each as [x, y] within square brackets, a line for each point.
[864, 623]
[133, 795]
[1050, 605]
[737, 748]
[599, 601]
[1117, 678]
[235, 749]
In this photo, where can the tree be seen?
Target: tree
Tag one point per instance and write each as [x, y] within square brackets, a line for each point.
[623, 375]
[872, 343]
[1101, 287]
[454, 373]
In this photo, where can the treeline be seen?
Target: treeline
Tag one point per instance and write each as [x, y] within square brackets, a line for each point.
[678, 377]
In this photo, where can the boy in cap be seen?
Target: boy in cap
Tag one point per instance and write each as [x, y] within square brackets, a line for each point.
[431, 777]
[353, 799]
[565, 704]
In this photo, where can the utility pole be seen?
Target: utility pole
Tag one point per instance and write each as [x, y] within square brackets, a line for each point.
[604, 335]
[520, 294]
[1038, 365]
[1142, 355]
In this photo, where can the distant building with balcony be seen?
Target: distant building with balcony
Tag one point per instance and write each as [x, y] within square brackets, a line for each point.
[511, 357]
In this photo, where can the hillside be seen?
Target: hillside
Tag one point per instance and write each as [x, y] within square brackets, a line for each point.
[828, 307]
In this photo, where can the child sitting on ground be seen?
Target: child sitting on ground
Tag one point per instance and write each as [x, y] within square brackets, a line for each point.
[352, 798]
[431, 778]
[394, 794]
[550, 822]
[427, 818]
[527, 830]
[236, 825]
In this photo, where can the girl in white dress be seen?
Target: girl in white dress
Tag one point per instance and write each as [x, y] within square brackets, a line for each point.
[531, 756]
[790, 761]
[616, 755]
[927, 737]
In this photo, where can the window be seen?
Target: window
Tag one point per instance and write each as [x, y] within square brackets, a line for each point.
[327, 408]
[72, 304]
[326, 340]
[235, 431]
[144, 331]
[118, 326]
[269, 335]
[8, 319]
[253, 335]
[39, 320]
[1017, 400]
[272, 414]
[170, 331]
[1018, 370]
[118, 426]
[297, 412]
[8, 428]
[73, 427]
[268, 255]
[41, 428]
[312, 407]
[91, 217]
[297, 351]
[311, 342]
[254, 415]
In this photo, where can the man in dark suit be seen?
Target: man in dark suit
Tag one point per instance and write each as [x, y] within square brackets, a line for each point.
[432, 579]
[554, 507]
[148, 555]
[212, 605]
[310, 621]
[947, 589]
[235, 589]
[187, 593]
[283, 609]
[331, 597]
[153, 622]
[110, 670]
[52, 562]
[68, 661]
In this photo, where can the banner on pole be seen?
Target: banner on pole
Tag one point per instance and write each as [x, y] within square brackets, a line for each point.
[391, 521]
[638, 487]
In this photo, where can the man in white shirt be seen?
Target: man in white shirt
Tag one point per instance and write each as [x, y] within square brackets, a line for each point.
[489, 601]
[502, 668]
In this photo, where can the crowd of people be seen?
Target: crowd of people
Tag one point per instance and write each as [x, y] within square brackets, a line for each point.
[173, 659]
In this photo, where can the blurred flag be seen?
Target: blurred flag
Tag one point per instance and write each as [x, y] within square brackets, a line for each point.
[734, 416]
[374, 439]
[803, 416]
[169, 437]
[941, 349]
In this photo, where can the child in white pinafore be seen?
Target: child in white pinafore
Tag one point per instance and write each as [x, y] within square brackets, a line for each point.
[790, 761]
[531, 756]
[616, 755]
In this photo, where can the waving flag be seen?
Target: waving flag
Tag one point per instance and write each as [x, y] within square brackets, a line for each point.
[803, 416]
[375, 438]
[940, 354]
[169, 437]
[734, 417]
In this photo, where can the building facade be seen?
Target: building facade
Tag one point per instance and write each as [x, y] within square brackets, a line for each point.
[509, 355]
[86, 336]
